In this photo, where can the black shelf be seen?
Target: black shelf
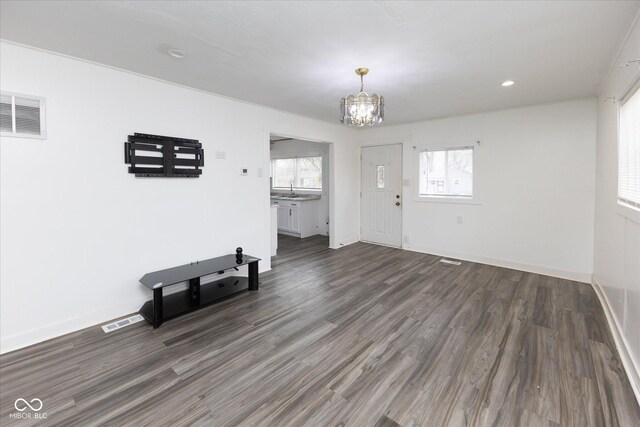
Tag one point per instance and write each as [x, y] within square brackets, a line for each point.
[198, 295]
[170, 276]
[179, 303]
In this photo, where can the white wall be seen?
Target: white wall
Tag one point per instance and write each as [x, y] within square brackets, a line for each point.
[298, 148]
[78, 231]
[617, 237]
[534, 181]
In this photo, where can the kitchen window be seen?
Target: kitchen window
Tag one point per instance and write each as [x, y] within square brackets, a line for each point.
[446, 173]
[305, 173]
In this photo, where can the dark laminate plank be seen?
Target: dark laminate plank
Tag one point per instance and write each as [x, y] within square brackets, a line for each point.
[597, 327]
[580, 403]
[618, 402]
[545, 307]
[531, 419]
[292, 248]
[386, 422]
[363, 335]
[309, 389]
[574, 347]
[539, 371]
[98, 411]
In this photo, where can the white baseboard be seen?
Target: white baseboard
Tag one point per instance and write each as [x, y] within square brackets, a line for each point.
[546, 271]
[631, 366]
[346, 242]
[288, 233]
[34, 336]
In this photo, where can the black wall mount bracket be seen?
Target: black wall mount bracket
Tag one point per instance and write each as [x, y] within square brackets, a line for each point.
[163, 156]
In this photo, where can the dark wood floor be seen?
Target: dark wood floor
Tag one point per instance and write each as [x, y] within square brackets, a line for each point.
[292, 248]
[361, 336]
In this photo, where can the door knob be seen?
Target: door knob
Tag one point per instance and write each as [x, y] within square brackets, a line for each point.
[397, 203]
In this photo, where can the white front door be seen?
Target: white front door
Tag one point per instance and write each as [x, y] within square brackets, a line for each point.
[382, 194]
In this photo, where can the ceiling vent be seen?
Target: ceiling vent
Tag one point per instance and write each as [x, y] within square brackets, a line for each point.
[22, 116]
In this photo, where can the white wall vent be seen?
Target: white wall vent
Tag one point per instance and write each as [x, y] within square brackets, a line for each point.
[22, 116]
[450, 261]
[110, 327]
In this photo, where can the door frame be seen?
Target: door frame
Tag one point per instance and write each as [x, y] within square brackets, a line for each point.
[402, 192]
[267, 132]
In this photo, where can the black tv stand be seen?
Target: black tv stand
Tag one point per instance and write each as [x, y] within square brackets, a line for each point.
[198, 295]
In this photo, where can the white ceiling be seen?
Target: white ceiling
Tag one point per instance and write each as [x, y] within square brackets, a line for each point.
[429, 59]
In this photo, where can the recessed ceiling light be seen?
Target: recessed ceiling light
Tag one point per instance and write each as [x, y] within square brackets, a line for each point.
[507, 83]
[176, 53]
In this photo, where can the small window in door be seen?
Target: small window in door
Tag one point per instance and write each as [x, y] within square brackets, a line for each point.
[380, 176]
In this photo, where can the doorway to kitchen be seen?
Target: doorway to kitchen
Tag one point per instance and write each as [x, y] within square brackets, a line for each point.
[300, 198]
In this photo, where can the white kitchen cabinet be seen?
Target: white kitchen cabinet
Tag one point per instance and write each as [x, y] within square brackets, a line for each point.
[274, 230]
[284, 218]
[297, 218]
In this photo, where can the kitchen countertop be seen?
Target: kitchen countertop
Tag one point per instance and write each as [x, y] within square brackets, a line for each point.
[302, 198]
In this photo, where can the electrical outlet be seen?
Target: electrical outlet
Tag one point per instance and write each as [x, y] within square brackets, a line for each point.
[259, 172]
[221, 155]
[405, 239]
[459, 219]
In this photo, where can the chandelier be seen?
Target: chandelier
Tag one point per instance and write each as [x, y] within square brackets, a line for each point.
[362, 109]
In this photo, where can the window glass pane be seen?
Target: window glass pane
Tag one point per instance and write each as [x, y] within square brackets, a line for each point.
[460, 169]
[303, 173]
[629, 152]
[380, 176]
[446, 172]
[283, 172]
[432, 172]
[309, 173]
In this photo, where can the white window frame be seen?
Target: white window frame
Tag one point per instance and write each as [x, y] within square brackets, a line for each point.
[299, 189]
[43, 124]
[624, 209]
[464, 200]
